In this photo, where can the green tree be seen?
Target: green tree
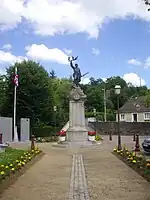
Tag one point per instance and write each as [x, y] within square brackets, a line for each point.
[147, 99]
[33, 94]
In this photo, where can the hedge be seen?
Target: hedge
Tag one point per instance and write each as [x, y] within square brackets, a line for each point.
[44, 131]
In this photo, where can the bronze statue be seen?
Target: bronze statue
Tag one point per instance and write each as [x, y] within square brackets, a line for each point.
[76, 71]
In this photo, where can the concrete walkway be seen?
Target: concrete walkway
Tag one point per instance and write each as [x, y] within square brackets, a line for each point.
[79, 174]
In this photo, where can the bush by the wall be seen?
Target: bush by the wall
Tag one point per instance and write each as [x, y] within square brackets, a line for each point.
[45, 131]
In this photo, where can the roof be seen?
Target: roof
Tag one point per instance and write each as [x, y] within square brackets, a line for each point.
[135, 105]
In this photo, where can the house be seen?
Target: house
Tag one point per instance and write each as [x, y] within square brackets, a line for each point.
[134, 110]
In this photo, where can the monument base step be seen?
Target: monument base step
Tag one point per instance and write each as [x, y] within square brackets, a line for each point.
[84, 144]
[77, 135]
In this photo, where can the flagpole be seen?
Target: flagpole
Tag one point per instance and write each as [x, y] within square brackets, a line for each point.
[15, 98]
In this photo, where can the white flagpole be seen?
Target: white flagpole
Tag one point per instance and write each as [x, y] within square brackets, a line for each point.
[15, 98]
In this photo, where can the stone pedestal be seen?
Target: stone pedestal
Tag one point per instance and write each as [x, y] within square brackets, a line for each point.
[77, 131]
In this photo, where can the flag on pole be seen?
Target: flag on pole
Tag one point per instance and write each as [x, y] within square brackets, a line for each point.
[16, 77]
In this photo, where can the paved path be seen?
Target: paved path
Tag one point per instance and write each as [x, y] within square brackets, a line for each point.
[110, 179]
[79, 174]
[78, 183]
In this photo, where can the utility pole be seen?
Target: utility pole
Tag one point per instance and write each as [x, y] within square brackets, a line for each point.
[105, 109]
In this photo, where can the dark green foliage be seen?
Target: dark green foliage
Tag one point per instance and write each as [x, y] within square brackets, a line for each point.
[44, 131]
[39, 91]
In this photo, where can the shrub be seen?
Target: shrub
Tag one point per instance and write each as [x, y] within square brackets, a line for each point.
[98, 138]
[45, 131]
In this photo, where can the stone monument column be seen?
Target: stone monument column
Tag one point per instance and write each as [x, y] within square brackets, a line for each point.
[77, 131]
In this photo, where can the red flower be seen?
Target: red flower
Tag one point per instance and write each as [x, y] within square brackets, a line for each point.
[62, 133]
[91, 133]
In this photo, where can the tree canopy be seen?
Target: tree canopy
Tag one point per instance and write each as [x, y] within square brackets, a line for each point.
[39, 91]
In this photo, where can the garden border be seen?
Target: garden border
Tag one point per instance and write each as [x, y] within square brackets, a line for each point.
[9, 180]
[134, 167]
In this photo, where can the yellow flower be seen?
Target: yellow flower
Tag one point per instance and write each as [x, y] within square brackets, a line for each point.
[32, 151]
[2, 166]
[19, 164]
[2, 172]
[29, 158]
[17, 161]
[21, 157]
[6, 167]
[133, 153]
[148, 164]
[23, 163]
[38, 151]
[118, 151]
[11, 165]
[24, 153]
[134, 161]
[115, 149]
[121, 154]
[12, 169]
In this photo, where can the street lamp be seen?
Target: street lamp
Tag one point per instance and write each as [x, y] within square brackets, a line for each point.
[117, 91]
[94, 112]
[55, 110]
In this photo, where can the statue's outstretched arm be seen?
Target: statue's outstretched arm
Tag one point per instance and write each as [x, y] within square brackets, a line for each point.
[71, 64]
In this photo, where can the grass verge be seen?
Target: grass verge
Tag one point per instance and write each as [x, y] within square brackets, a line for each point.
[14, 162]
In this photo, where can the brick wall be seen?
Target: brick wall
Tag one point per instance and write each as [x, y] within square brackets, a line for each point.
[126, 128]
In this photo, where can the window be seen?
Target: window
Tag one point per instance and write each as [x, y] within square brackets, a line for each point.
[122, 117]
[147, 115]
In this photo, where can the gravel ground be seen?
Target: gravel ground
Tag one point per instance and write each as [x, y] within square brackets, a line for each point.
[49, 179]
[108, 178]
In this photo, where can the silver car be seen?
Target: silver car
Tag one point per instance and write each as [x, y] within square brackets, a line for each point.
[146, 144]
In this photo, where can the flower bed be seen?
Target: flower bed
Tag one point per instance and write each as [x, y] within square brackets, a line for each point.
[91, 136]
[14, 162]
[137, 162]
[62, 136]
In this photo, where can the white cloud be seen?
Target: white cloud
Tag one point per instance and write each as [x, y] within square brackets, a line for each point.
[7, 46]
[63, 16]
[67, 51]
[147, 63]
[104, 79]
[134, 79]
[134, 62]
[95, 51]
[85, 80]
[10, 13]
[7, 57]
[42, 52]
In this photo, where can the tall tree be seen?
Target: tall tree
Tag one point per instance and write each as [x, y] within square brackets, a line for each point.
[33, 94]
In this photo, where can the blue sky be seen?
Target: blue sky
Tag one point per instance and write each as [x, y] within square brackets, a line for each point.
[109, 43]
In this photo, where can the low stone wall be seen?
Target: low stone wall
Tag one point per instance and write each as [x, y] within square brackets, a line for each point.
[126, 128]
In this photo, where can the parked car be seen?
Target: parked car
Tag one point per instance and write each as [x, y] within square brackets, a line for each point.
[146, 144]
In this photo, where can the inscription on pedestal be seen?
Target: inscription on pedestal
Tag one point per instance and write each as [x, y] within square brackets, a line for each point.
[77, 129]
